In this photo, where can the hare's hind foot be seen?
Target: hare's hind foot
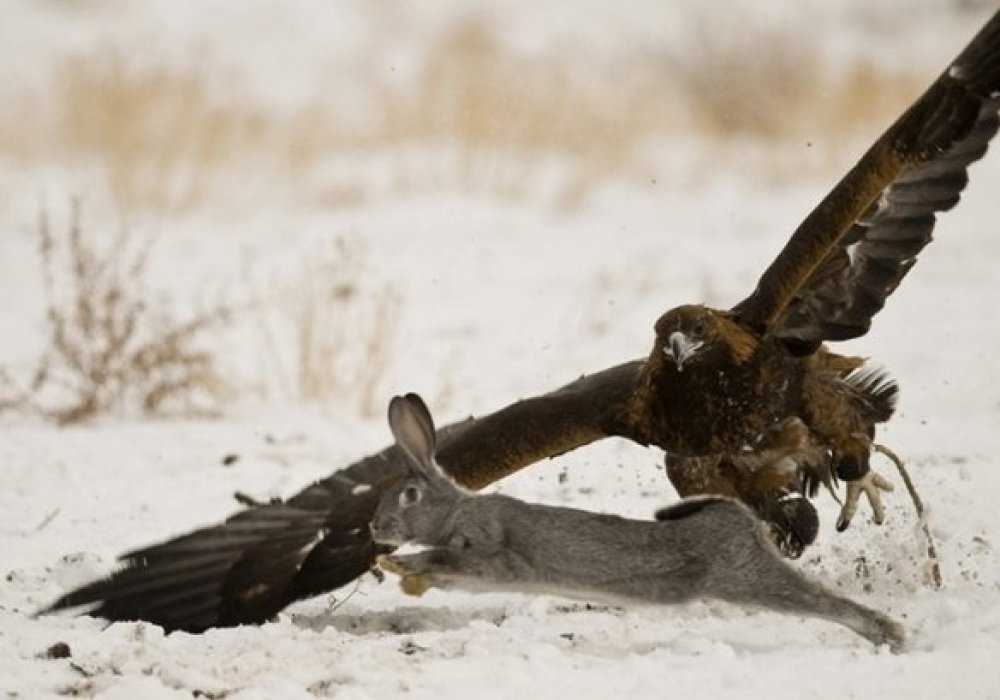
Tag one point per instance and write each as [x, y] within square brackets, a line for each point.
[411, 582]
[877, 628]
[889, 632]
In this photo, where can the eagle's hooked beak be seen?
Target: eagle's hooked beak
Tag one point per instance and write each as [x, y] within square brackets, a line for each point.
[680, 348]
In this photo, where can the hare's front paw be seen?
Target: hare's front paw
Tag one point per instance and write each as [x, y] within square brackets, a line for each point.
[412, 580]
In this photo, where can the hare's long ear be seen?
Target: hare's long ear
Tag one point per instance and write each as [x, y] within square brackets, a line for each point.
[413, 428]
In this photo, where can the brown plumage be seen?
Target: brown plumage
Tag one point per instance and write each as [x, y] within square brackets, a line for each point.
[733, 387]
[746, 402]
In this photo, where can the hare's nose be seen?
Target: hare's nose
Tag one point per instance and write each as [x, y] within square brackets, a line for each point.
[378, 526]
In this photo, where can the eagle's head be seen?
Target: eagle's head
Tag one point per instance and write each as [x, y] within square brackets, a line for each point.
[694, 335]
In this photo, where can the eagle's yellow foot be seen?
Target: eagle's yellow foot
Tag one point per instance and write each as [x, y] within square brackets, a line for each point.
[871, 485]
[411, 582]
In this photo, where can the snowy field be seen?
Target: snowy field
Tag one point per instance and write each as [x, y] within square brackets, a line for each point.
[489, 278]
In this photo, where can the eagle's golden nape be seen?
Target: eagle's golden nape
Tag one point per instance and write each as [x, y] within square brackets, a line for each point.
[762, 385]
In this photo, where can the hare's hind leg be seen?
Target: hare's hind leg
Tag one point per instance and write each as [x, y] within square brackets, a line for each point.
[472, 569]
[766, 580]
[790, 591]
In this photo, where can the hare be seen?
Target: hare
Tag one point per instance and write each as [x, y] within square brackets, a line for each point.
[705, 547]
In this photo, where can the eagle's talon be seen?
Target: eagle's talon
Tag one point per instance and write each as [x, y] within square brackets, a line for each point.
[787, 543]
[871, 485]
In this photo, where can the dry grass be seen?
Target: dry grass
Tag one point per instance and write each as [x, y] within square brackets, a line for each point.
[756, 99]
[777, 89]
[157, 132]
[482, 97]
[164, 140]
[326, 332]
[109, 345]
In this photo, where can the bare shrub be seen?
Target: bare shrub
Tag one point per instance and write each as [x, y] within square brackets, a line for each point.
[109, 344]
[328, 333]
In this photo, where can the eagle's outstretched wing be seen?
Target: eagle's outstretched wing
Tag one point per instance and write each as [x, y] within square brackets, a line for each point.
[854, 248]
[258, 561]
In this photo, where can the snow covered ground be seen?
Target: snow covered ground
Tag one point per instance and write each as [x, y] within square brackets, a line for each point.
[497, 296]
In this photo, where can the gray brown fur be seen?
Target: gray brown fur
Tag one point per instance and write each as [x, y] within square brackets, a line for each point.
[700, 548]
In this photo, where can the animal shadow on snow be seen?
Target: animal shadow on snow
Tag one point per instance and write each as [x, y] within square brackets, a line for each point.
[402, 620]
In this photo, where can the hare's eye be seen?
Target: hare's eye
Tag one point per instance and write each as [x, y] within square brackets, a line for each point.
[409, 496]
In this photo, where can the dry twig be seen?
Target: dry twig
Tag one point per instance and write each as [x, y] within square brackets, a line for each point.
[918, 504]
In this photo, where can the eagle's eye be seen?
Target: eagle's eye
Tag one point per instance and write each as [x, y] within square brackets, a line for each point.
[698, 329]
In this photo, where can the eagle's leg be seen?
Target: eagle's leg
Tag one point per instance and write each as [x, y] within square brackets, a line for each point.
[792, 521]
[767, 480]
